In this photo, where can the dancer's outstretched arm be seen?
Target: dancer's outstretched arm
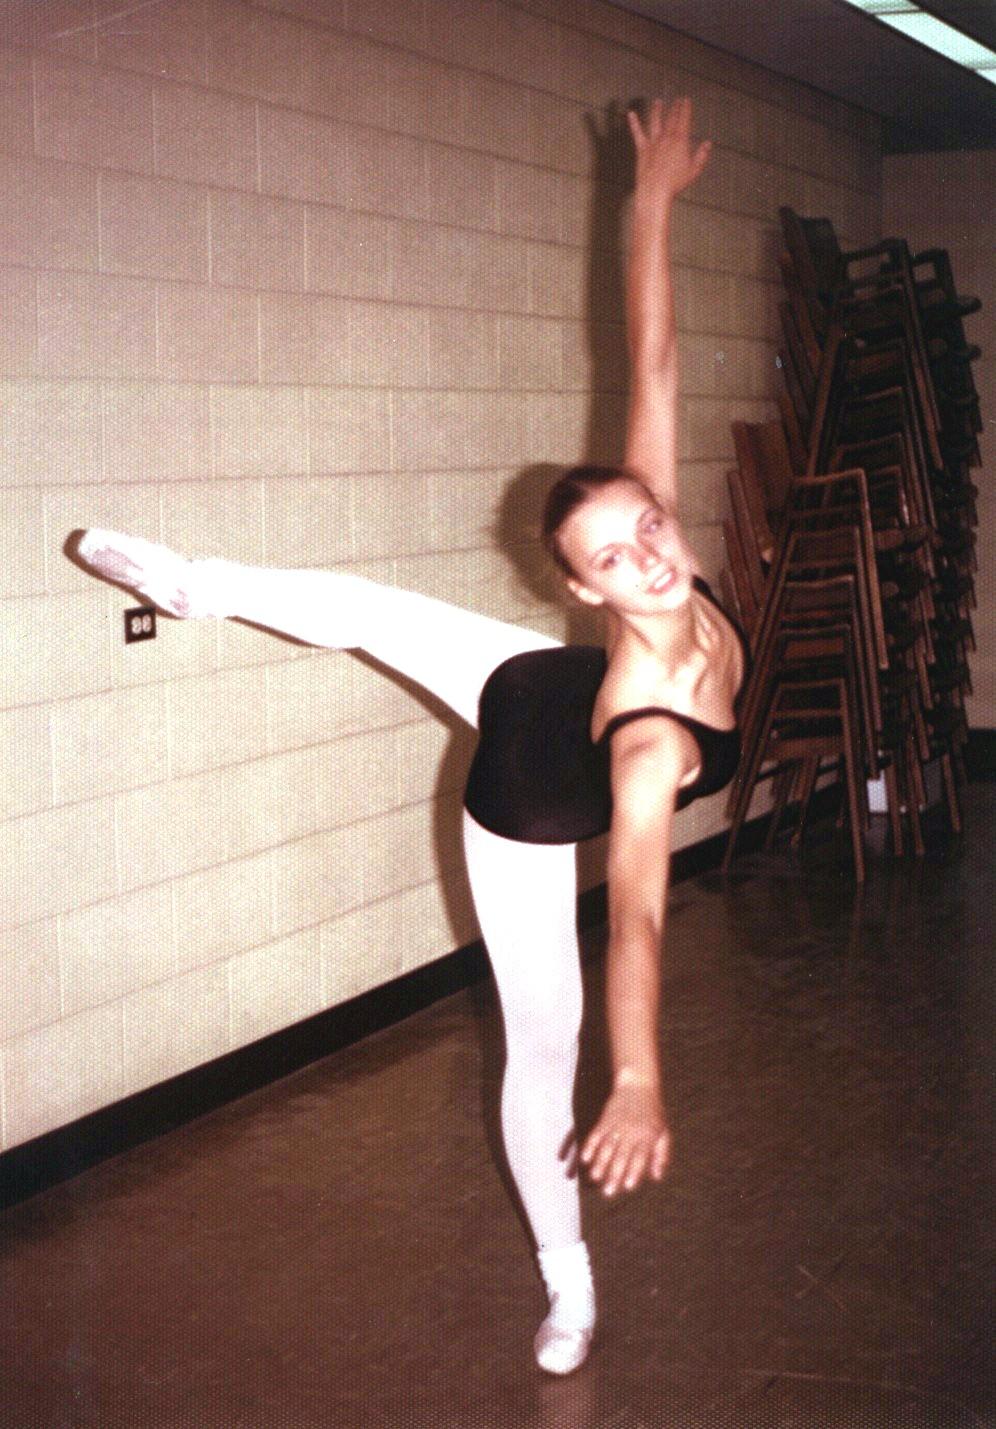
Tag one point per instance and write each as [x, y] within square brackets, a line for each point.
[666, 163]
[631, 1140]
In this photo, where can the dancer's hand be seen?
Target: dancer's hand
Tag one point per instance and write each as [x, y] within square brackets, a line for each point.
[666, 162]
[629, 1142]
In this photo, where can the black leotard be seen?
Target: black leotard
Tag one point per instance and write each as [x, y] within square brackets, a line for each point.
[538, 776]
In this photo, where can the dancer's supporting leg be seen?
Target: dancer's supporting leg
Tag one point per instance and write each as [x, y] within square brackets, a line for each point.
[525, 896]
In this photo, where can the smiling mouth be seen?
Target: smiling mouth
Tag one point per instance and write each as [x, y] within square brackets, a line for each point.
[663, 582]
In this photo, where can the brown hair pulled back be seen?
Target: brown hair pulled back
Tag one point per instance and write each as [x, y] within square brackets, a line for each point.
[577, 485]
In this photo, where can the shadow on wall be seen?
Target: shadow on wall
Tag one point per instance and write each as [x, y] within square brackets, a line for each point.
[518, 519]
[518, 522]
[612, 183]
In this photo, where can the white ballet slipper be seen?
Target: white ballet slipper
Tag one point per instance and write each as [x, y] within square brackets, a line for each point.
[168, 580]
[562, 1341]
[561, 1348]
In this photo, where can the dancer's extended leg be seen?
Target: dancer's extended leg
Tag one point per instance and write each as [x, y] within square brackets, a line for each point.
[448, 650]
[525, 896]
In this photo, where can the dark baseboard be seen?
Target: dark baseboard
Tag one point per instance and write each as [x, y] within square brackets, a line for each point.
[980, 755]
[64, 1152]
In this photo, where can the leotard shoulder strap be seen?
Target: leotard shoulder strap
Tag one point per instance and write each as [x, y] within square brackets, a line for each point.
[697, 727]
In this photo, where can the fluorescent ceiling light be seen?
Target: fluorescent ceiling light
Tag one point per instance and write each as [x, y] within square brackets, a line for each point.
[916, 24]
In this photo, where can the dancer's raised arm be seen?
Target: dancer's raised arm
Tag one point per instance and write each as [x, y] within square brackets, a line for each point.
[666, 163]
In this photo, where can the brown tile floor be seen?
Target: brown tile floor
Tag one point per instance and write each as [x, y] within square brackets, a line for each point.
[338, 1250]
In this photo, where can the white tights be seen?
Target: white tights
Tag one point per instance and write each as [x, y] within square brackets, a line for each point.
[524, 894]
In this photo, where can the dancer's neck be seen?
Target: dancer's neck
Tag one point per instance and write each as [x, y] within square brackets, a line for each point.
[669, 636]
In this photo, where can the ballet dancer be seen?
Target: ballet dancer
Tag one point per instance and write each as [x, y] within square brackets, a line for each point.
[574, 741]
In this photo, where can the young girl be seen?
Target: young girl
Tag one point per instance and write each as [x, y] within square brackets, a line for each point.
[574, 741]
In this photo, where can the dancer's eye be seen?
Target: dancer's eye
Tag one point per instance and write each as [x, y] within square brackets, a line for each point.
[607, 562]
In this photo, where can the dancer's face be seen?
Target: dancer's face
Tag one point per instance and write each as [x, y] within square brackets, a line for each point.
[627, 552]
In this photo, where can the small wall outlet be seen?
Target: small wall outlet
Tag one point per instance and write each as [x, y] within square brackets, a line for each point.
[139, 623]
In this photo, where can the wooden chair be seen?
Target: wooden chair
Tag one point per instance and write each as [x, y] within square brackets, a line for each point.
[853, 533]
[764, 459]
[806, 723]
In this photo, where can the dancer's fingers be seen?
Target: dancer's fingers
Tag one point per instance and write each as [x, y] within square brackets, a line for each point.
[673, 118]
[661, 1155]
[635, 128]
[607, 1146]
[621, 1154]
[619, 1162]
[568, 1153]
[615, 1167]
[636, 1168]
[628, 1168]
[599, 1149]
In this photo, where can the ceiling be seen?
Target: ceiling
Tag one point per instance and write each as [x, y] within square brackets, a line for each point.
[926, 101]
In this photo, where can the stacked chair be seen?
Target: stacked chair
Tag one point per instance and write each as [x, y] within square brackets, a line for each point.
[851, 538]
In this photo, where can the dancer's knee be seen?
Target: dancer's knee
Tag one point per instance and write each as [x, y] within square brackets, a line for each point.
[544, 1037]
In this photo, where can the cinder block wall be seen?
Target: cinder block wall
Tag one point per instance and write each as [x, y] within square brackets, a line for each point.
[313, 282]
[946, 201]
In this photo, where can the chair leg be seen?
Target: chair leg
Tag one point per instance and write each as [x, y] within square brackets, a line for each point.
[744, 787]
[784, 781]
[853, 773]
[842, 777]
[895, 811]
[807, 783]
[919, 788]
[951, 793]
[912, 793]
[922, 734]
[736, 824]
[737, 819]
[958, 765]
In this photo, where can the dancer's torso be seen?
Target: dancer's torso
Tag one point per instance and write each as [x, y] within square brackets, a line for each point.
[541, 773]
